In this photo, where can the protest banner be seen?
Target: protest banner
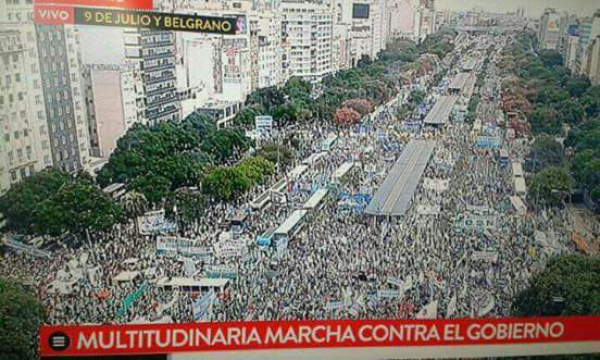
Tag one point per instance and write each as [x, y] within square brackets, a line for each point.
[203, 307]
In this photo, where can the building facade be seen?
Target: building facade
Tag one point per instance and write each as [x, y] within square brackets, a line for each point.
[153, 53]
[549, 32]
[308, 31]
[24, 142]
[588, 31]
[111, 94]
[63, 96]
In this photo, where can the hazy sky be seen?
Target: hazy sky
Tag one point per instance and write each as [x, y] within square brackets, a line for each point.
[532, 7]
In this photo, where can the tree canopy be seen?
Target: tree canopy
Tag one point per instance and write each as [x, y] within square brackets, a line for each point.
[226, 183]
[567, 286]
[22, 314]
[550, 186]
[544, 152]
[54, 203]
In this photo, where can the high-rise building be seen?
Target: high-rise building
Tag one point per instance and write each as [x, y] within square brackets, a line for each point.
[588, 31]
[111, 99]
[58, 52]
[566, 22]
[593, 63]
[549, 31]
[308, 31]
[424, 20]
[570, 48]
[401, 18]
[24, 142]
[270, 71]
[153, 52]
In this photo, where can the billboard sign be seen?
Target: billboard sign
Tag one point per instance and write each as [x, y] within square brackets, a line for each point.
[360, 11]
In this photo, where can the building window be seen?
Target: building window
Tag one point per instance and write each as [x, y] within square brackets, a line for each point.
[13, 175]
[28, 152]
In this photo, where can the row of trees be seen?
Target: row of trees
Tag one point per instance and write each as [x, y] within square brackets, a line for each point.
[156, 160]
[554, 99]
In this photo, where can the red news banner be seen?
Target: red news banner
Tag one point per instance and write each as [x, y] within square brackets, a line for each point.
[402, 334]
[121, 4]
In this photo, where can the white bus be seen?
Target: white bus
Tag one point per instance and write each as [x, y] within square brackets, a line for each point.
[316, 201]
[290, 227]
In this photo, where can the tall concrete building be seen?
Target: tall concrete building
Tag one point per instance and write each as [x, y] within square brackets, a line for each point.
[270, 51]
[593, 64]
[58, 52]
[153, 53]
[570, 49]
[588, 31]
[24, 143]
[424, 20]
[549, 31]
[308, 31]
[111, 93]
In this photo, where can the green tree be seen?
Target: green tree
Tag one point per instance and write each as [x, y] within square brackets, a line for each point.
[77, 207]
[22, 315]
[545, 152]
[570, 111]
[154, 187]
[272, 152]
[567, 286]
[551, 58]
[19, 204]
[577, 86]
[550, 185]
[229, 183]
[591, 101]
[545, 120]
[267, 98]
[190, 205]
[134, 204]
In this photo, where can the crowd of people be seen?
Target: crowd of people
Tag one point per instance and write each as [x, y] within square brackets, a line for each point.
[469, 254]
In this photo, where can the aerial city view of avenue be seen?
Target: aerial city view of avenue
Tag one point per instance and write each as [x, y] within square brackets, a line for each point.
[323, 159]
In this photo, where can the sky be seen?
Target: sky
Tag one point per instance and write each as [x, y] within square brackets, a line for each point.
[533, 8]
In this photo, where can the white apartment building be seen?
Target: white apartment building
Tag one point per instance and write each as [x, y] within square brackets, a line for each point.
[270, 71]
[570, 51]
[308, 31]
[52, 95]
[24, 142]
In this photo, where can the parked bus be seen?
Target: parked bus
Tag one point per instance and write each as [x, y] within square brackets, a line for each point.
[290, 227]
[316, 201]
